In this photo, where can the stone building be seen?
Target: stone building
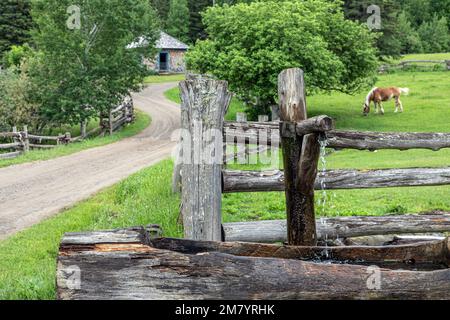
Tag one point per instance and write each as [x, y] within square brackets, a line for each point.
[170, 58]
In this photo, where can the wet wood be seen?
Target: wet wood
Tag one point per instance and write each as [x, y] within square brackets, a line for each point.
[168, 269]
[292, 97]
[204, 105]
[269, 181]
[341, 227]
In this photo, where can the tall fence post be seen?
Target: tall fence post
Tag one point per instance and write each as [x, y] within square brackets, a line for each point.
[300, 155]
[203, 108]
[26, 139]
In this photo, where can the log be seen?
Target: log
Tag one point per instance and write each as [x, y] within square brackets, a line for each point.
[132, 268]
[383, 140]
[40, 138]
[41, 146]
[9, 135]
[10, 155]
[292, 98]
[10, 146]
[341, 227]
[204, 105]
[270, 181]
[339, 139]
[320, 124]
[249, 132]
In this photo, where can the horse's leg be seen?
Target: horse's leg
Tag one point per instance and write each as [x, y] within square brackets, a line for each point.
[381, 108]
[400, 104]
[375, 102]
[397, 104]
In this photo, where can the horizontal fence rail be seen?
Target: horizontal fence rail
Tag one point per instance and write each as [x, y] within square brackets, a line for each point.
[264, 133]
[23, 141]
[340, 227]
[271, 181]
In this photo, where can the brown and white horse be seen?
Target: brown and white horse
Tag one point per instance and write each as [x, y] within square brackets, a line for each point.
[379, 95]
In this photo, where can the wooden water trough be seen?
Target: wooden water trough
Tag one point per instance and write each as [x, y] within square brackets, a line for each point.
[128, 264]
[229, 261]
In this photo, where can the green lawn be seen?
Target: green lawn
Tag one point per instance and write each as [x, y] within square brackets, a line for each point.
[27, 260]
[142, 121]
[427, 56]
[164, 78]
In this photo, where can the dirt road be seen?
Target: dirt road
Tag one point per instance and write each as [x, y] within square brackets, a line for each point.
[35, 191]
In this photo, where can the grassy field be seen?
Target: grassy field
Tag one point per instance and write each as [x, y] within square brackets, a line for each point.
[27, 260]
[142, 121]
[164, 78]
[427, 56]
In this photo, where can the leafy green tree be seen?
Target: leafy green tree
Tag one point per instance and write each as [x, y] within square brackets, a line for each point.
[16, 55]
[177, 23]
[162, 7]
[15, 23]
[196, 27]
[85, 64]
[410, 39]
[250, 44]
[16, 107]
[435, 36]
[388, 42]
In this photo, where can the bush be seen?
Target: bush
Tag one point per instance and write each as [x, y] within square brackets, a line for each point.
[250, 44]
[16, 109]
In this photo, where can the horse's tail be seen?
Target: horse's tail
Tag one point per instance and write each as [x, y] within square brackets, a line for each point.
[405, 91]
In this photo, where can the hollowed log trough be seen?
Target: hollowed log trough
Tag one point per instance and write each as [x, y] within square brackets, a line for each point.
[130, 264]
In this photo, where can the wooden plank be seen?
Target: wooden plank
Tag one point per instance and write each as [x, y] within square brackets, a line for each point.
[136, 270]
[9, 135]
[340, 227]
[204, 105]
[385, 140]
[10, 146]
[40, 138]
[292, 97]
[10, 155]
[269, 181]
[41, 146]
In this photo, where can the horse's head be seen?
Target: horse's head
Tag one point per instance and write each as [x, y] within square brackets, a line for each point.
[366, 109]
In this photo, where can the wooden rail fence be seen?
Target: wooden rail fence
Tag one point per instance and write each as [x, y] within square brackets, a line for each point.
[299, 137]
[416, 63]
[22, 141]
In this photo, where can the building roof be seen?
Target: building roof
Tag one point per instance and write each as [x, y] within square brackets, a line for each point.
[165, 42]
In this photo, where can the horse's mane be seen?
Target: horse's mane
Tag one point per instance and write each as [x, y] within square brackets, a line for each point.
[369, 95]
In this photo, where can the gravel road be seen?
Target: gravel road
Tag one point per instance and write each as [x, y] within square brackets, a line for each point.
[35, 191]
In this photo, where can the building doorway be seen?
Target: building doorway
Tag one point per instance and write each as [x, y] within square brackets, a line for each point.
[163, 62]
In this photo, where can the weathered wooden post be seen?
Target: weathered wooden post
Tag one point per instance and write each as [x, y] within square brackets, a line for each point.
[25, 139]
[447, 62]
[301, 155]
[203, 108]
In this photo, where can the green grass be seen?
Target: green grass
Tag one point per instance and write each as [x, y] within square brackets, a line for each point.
[142, 121]
[28, 259]
[427, 56]
[164, 78]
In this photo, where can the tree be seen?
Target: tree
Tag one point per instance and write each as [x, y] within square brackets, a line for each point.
[162, 8]
[388, 43]
[15, 23]
[196, 27]
[177, 23]
[250, 44]
[410, 39]
[16, 108]
[85, 64]
[435, 36]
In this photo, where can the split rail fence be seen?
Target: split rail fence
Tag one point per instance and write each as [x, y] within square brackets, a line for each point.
[22, 141]
[204, 183]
